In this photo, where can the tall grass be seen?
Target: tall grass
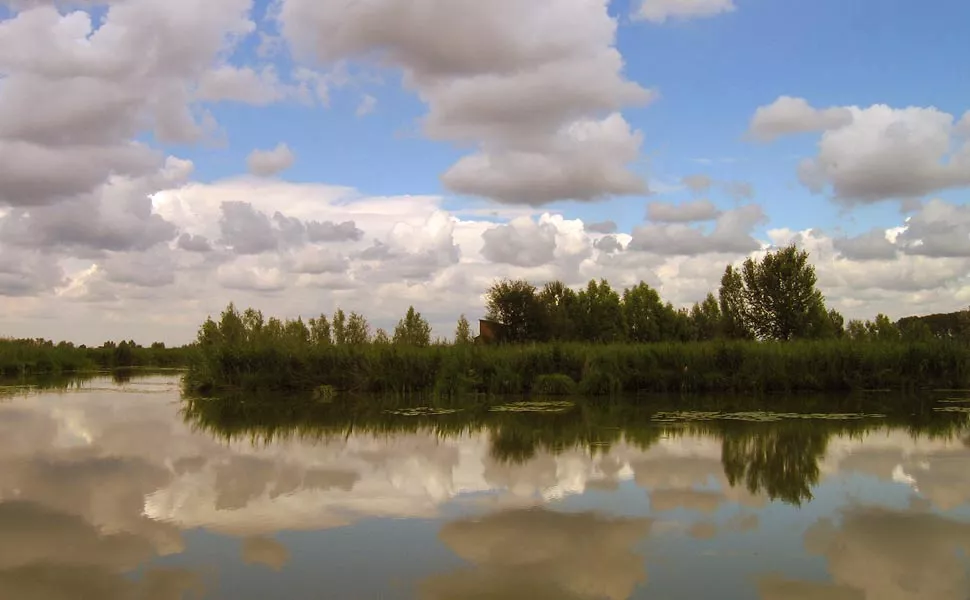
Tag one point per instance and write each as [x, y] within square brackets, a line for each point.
[586, 369]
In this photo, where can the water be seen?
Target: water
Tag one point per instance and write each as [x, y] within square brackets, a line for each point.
[120, 490]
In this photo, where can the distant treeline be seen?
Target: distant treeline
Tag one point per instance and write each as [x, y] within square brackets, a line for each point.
[31, 357]
[767, 330]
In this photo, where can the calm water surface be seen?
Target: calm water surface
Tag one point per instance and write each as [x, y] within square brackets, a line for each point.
[112, 490]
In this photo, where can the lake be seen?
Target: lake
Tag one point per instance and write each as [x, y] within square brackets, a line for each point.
[120, 489]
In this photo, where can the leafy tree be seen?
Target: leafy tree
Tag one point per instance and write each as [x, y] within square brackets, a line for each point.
[339, 327]
[781, 301]
[413, 330]
[559, 309]
[515, 304]
[647, 318]
[296, 332]
[882, 329]
[231, 326]
[705, 319]
[915, 330]
[599, 314]
[381, 337]
[734, 319]
[463, 332]
[320, 331]
[856, 330]
[358, 330]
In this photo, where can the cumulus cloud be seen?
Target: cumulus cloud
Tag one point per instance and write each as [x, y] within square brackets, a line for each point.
[867, 155]
[601, 227]
[731, 234]
[668, 212]
[659, 11]
[698, 183]
[265, 163]
[522, 242]
[480, 76]
[788, 115]
[872, 245]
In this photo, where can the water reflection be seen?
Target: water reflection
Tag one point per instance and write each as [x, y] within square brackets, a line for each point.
[122, 491]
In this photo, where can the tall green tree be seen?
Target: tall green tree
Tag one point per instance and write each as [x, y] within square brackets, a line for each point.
[357, 331]
[599, 314]
[412, 330]
[320, 331]
[339, 327]
[735, 323]
[781, 301]
[882, 329]
[646, 317]
[463, 331]
[381, 338]
[515, 304]
[705, 319]
[559, 310]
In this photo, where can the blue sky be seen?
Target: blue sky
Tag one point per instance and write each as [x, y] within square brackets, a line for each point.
[711, 74]
[486, 119]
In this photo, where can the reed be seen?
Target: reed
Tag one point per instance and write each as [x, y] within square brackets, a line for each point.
[267, 364]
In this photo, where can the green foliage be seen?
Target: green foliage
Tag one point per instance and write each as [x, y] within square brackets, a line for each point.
[555, 384]
[780, 300]
[31, 357]
[270, 359]
[599, 313]
[357, 331]
[463, 332]
[515, 304]
[413, 330]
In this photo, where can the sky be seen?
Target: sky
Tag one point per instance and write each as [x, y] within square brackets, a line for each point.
[161, 158]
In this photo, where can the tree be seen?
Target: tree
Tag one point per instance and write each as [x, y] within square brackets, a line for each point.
[320, 331]
[647, 318]
[381, 337]
[705, 319]
[413, 330]
[357, 331]
[734, 318]
[781, 301]
[514, 303]
[463, 333]
[882, 329]
[599, 314]
[296, 332]
[559, 306]
[339, 327]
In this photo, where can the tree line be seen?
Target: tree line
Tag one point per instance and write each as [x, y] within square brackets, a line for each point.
[775, 298]
[39, 356]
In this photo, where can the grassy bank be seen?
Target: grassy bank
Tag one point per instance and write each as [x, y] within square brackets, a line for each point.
[583, 369]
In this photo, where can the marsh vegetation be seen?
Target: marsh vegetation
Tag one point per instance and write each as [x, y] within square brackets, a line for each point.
[767, 330]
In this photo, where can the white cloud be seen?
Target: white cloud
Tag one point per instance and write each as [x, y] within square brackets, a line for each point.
[696, 210]
[265, 163]
[366, 106]
[525, 83]
[867, 155]
[659, 11]
[788, 115]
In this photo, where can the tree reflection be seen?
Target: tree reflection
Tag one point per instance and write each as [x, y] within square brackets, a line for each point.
[779, 458]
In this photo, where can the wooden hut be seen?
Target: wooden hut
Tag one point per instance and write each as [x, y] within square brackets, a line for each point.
[490, 332]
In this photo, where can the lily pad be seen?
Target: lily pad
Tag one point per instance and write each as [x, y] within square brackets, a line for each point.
[422, 411]
[549, 406]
